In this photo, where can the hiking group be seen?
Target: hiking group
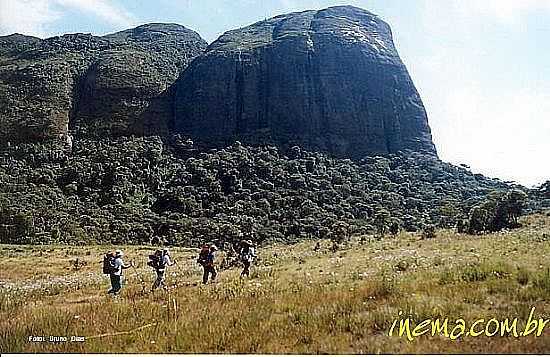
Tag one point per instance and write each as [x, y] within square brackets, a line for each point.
[160, 260]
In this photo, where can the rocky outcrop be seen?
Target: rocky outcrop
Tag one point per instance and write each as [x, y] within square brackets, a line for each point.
[328, 80]
[16, 43]
[116, 84]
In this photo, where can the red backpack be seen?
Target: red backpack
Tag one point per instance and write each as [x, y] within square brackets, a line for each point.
[203, 255]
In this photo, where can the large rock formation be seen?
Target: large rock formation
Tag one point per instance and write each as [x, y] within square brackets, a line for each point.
[327, 80]
[116, 84]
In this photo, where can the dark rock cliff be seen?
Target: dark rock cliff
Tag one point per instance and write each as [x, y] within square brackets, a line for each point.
[116, 84]
[328, 80]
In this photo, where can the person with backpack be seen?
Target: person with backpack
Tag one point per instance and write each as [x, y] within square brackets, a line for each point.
[108, 263]
[159, 261]
[113, 266]
[203, 254]
[207, 257]
[247, 254]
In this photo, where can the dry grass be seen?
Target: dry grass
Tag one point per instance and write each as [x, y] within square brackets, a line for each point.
[297, 301]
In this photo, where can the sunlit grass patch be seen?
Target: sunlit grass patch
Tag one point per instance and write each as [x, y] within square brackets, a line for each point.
[297, 299]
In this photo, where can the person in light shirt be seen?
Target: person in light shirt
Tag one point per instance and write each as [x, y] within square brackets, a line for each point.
[117, 274]
[163, 262]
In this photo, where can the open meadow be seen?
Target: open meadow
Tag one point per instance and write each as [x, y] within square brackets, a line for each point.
[299, 299]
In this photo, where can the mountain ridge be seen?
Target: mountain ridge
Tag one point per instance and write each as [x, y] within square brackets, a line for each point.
[91, 85]
[343, 90]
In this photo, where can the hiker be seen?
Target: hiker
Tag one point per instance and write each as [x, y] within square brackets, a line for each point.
[113, 265]
[203, 254]
[248, 254]
[159, 261]
[206, 259]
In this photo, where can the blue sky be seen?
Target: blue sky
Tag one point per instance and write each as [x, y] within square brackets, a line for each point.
[482, 66]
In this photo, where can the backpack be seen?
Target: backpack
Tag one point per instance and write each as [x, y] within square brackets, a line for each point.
[109, 264]
[247, 255]
[156, 261]
[203, 256]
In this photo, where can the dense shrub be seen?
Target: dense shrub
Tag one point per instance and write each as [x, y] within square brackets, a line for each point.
[141, 190]
[429, 231]
[498, 211]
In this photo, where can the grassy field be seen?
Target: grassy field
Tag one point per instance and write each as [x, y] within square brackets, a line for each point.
[298, 299]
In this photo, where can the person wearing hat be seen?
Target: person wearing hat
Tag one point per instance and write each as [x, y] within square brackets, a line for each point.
[209, 267]
[163, 259]
[248, 253]
[116, 276]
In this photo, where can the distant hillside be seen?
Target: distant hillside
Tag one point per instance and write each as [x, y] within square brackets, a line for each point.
[92, 86]
[143, 189]
[329, 80]
[132, 137]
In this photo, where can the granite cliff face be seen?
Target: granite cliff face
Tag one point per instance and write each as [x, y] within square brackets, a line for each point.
[328, 80]
[112, 85]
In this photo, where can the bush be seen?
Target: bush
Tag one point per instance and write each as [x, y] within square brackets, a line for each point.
[498, 211]
[542, 281]
[522, 277]
[474, 273]
[429, 232]
[382, 220]
[394, 228]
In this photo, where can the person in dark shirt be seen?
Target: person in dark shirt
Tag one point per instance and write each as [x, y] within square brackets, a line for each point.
[209, 266]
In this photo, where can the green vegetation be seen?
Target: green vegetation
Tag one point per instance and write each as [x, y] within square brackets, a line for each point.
[145, 190]
[301, 298]
[499, 210]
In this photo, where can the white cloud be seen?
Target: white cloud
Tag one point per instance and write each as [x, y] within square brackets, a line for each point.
[485, 110]
[502, 10]
[33, 17]
[499, 131]
[103, 9]
[501, 135]
[29, 17]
